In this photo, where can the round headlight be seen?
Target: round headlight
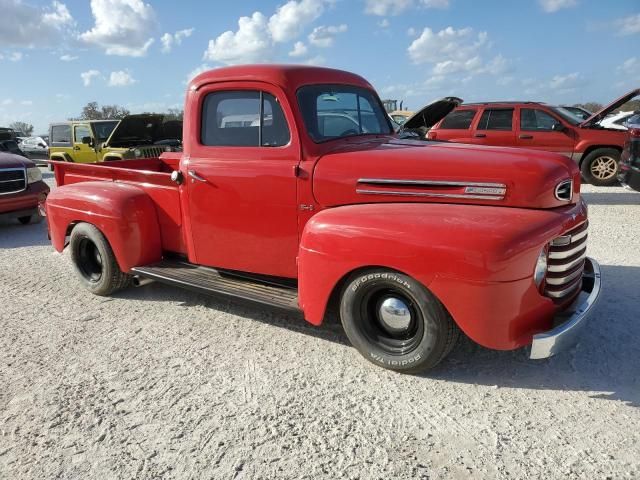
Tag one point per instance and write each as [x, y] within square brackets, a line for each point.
[541, 268]
[137, 152]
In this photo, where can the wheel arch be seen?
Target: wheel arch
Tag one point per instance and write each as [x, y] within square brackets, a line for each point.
[124, 214]
[592, 148]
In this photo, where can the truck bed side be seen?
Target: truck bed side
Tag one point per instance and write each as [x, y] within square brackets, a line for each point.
[152, 175]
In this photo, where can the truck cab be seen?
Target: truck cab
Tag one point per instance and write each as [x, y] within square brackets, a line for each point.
[292, 190]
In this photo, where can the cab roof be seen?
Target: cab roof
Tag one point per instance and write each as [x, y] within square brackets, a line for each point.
[288, 77]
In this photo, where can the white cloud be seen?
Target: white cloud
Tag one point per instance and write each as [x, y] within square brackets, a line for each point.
[384, 23]
[251, 43]
[551, 6]
[7, 101]
[26, 102]
[629, 26]
[59, 17]
[168, 41]
[88, 76]
[565, 83]
[15, 57]
[299, 50]
[396, 7]
[197, 71]
[449, 49]
[324, 36]
[121, 78]
[630, 66]
[68, 58]
[316, 61]
[122, 27]
[29, 26]
[412, 32]
[291, 18]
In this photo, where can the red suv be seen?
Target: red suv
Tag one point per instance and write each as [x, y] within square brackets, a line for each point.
[540, 127]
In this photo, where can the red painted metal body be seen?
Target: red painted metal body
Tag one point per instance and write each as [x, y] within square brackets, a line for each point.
[573, 141]
[308, 211]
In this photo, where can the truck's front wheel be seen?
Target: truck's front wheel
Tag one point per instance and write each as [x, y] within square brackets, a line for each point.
[395, 322]
[94, 261]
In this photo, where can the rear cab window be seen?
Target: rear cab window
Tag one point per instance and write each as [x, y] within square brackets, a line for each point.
[496, 119]
[458, 120]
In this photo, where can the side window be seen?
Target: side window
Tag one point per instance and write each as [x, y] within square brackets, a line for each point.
[534, 119]
[458, 120]
[496, 119]
[61, 134]
[81, 131]
[233, 119]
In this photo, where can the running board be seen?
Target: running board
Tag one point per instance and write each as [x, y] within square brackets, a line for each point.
[211, 281]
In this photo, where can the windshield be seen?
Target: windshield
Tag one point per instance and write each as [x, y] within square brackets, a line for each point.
[567, 115]
[104, 129]
[337, 111]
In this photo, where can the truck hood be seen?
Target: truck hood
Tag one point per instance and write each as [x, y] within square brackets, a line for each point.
[600, 114]
[144, 129]
[432, 113]
[10, 160]
[394, 170]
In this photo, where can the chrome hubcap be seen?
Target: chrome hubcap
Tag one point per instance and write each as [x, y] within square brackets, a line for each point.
[604, 167]
[394, 315]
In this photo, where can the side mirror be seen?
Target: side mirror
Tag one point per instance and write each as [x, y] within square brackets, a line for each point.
[558, 127]
[87, 140]
[42, 145]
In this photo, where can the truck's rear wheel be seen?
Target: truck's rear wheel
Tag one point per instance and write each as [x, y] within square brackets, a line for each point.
[94, 261]
[395, 322]
[600, 167]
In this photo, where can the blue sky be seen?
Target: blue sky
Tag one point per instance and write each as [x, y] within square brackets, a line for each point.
[57, 56]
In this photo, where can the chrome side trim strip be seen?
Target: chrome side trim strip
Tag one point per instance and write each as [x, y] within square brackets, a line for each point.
[428, 183]
[428, 194]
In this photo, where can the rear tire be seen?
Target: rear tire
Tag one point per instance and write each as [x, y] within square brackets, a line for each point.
[600, 167]
[395, 322]
[94, 261]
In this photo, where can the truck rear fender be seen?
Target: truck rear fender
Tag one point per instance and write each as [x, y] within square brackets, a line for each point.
[124, 213]
[430, 242]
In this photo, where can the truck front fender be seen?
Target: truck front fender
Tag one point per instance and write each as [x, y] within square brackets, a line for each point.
[430, 242]
[125, 214]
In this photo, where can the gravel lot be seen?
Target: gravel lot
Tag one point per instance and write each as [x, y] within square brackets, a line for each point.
[163, 383]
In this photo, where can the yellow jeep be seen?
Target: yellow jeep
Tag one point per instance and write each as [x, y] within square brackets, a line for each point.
[135, 136]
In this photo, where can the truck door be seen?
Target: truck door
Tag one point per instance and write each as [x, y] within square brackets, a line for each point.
[241, 154]
[82, 152]
[540, 130]
[495, 127]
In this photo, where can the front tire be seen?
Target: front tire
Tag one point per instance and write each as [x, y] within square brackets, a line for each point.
[600, 167]
[395, 322]
[94, 261]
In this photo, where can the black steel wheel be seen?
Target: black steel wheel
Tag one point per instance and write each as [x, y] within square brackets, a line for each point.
[94, 261]
[395, 322]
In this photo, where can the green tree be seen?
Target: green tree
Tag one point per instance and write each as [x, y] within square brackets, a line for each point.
[22, 127]
[92, 111]
[174, 114]
[591, 106]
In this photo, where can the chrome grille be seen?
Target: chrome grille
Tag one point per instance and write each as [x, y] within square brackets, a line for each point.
[12, 180]
[566, 263]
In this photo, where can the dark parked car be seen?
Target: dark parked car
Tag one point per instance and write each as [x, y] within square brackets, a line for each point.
[629, 167]
[21, 188]
[11, 146]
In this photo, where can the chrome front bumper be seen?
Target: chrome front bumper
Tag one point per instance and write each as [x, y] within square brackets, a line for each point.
[570, 322]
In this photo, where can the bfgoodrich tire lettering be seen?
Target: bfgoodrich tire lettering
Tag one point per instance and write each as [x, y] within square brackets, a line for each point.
[395, 322]
[94, 261]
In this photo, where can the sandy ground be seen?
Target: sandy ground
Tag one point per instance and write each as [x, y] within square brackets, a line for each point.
[163, 383]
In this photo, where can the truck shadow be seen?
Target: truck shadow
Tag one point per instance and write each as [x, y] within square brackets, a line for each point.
[612, 198]
[15, 235]
[607, 359]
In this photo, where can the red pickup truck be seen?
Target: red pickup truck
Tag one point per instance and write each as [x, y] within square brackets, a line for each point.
[293, 191]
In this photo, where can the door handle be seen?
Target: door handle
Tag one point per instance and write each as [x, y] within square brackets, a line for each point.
[76, 147]
[480, 135]
[526, 137]
[195, 176]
